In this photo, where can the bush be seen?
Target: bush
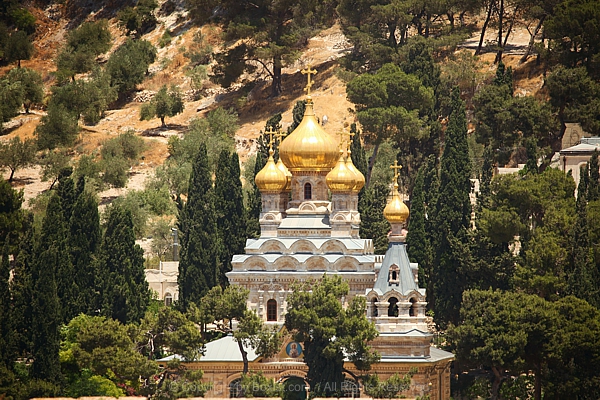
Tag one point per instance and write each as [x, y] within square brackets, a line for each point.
[128, 65]
[118, 155]
[165, 39]
[58, 128]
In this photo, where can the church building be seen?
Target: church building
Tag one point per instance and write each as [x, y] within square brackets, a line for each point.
[309, 226]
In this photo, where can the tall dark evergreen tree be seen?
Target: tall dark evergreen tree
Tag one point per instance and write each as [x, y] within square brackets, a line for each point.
[22, 290]
[373, 224]
[452, 218]
[124, 290]
[582, 277]
[417, 240]
[200, 245]
[359, 157]
[7, 353]
[46, 307]
[297, 114]
[84, 239]
[593, 191]
[229, 205]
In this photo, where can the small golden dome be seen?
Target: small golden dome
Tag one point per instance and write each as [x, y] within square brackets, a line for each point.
[340, 178]
[281, 166]
[270, 178]
[396, 211]
[308, 147]
[360, 178]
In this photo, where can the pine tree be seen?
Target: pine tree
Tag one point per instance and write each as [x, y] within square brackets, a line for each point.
[84, 239]
[417, 240]
[229, 205]
[7, 355]
[124, 290]
[199, 260]
[452, 218]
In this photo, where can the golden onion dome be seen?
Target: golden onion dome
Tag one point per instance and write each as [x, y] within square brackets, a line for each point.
[270, 178]
[308, 147]
[396, 211]
[281, 166]
[340, 178]
[360, 178]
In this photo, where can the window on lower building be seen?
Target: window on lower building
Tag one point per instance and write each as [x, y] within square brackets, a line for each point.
[307, 191]
[168, 299]
[235, 389]
[271, 310]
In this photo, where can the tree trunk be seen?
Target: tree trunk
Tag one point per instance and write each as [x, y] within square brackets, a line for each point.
[500, 24]
[450, 16]
[19, 63]
[162, 121]
[244, 357]
[512, 23]
[532, 40]
[485, 24]
[537, 393]
[276, 85]
[371, 164]
[496, 384]
[12, 174]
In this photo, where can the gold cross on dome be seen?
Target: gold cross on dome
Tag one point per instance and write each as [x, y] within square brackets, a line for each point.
[396, 169]
[270, 133]
[308, 72]
[279, 135]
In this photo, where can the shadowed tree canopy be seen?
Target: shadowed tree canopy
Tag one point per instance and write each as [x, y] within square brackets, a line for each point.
[268, 34]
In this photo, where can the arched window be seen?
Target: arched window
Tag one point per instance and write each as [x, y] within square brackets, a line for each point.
[393, 277]
[235, 388]
[168, 299]
[307, 191]
[373, 307]
[271, 310]
[393, 308]
[350, 389]
[412, 311]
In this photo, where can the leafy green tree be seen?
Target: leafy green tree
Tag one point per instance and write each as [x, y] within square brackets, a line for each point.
[329, 332]
[58, 128]
[83, 45]
[452, 217]
[91, 343]
[199, 267]
[388, 389]
[229, 205]
[390, 104]
[23, 19]
[128, 65]
[163, 104]
[118, 155]
[139, 19]
[12, 95]
[258, 385]
[31, 82]
[52, 163]
[123, 287]
[18, 47]
[17, 154]
[270, 33]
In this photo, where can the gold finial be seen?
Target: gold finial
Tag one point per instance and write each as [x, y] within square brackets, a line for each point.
[308, 72]
[270, 133]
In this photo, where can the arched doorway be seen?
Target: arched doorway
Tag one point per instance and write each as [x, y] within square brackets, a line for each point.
[294, 388]
[412, 311]
[393, 308]
[235, 388]
[373, 307]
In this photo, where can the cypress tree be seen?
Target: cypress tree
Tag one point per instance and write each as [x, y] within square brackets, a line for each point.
[373, 223]
[46, 307]
[359, 157]
[125, 292]
[594, 183]
[229, 205]
[417, 240]
[66, 191]
[452, 218]
[581, 279]
[22, 290]
[297, 114]
[6, 324]
[84, 238]
[199, 260]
